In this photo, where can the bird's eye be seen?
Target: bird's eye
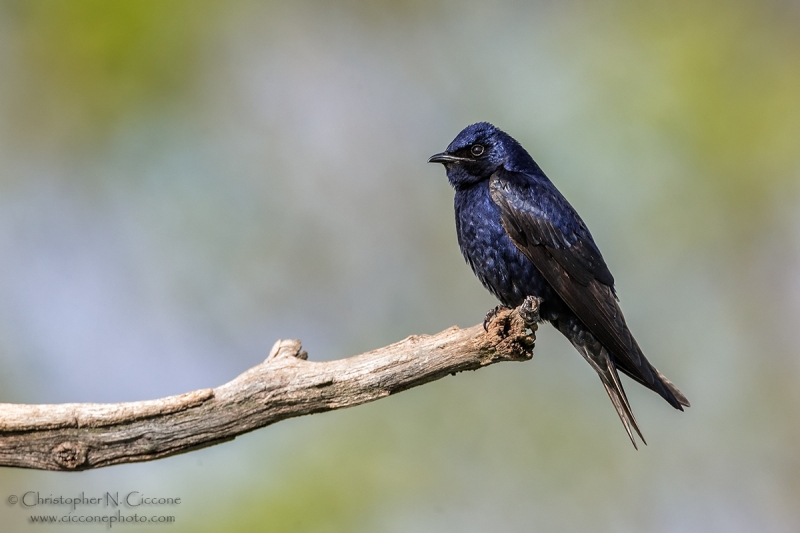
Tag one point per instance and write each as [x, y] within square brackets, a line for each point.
[476, 150]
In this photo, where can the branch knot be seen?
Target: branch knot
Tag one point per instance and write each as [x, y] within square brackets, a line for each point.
[70, 455]
[287, 348]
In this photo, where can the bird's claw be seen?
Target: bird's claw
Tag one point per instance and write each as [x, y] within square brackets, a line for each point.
[529, 311]
[490, 316]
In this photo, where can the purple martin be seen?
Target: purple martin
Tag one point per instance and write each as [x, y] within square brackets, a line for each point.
[522, 238]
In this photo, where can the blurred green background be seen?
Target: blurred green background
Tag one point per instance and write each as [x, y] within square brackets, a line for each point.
[184, 182]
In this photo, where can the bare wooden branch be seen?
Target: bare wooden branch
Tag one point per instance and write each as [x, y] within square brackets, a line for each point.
[285, 385]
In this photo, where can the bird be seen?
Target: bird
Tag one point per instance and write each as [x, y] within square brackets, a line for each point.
[522, 238]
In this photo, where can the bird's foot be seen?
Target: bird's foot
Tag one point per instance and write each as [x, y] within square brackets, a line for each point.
[490, 316]
[529, 311]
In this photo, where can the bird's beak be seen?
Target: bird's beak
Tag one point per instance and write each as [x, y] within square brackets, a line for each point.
[444, 157]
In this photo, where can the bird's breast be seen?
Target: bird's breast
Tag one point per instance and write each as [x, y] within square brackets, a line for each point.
[488, 249]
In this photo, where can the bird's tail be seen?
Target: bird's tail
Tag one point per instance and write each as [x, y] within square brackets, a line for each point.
[602, 363]
[610, 380]
[662, 386]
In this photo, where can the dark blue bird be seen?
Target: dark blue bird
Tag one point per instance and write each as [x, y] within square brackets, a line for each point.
[522, 238]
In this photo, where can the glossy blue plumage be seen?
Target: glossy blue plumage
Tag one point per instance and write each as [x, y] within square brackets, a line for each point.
[498, 264]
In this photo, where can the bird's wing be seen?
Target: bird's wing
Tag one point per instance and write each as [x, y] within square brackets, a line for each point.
[564, 252]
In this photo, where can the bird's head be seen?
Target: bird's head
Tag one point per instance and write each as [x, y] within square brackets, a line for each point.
[477, 152]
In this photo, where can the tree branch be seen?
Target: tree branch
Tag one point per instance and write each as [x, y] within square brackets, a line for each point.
[285, 385]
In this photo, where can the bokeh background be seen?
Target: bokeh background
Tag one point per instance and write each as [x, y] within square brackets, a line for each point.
[184, 182]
